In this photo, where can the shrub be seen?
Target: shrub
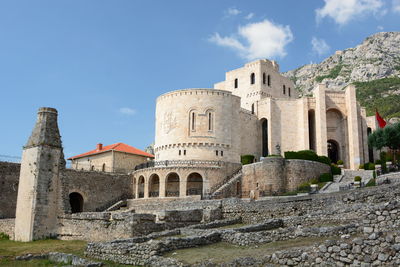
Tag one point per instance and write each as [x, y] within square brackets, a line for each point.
[274, 156]
[340, 162]
[314, 181]
[4, 236]
[335, 169]
[247, 159]
[324, 159]
[371, 182]
[304, 187]
[291, 155]
[383, 156]
[325, 177]
[378, 161]
[361, 166]
[369, 166]
[357, 179]
[302, 154]
[384, 167]
[374, 174]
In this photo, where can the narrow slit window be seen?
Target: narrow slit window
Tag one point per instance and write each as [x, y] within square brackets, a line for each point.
[264, 78]
[216, 152]
[179, 152]
[252, 108]
[269, 80]
[236, 83]
[193, 121]
[184, 152]
[210, 121]
[284, 89]
[222, 153]
[252, 78]
[289, 91]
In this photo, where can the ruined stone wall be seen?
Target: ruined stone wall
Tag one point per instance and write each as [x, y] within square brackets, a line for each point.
[9, 176]
[7, 227]
[99, 190]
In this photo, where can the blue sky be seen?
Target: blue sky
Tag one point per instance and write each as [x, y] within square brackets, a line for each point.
[103, 63]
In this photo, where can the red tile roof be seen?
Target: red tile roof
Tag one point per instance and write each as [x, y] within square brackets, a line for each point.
[121, 147]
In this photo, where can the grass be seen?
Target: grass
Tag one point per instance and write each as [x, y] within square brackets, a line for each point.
[225, 252]
[10, 249]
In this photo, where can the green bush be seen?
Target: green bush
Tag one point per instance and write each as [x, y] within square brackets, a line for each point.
[361, 166]
[369, 166]
[383, 156]
[314, 181]
[357, 179]
[374, 174]
[325, 177]
[304, 187]
[335, 169]
[302, 154]
[274, 156]
[324, 159]
[4, 236]
[371, 182]
[378, 161]
[340, 162]
[247, 159]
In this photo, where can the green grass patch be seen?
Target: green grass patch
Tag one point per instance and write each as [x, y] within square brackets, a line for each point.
[225, 252]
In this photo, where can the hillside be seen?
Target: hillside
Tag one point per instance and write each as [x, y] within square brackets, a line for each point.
[373, 67]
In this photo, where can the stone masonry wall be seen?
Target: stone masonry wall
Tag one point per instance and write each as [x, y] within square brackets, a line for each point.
[99, 190]
[9, 176]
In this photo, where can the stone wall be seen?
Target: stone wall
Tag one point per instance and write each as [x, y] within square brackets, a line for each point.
[99, 190]
[104, 226]
[277, 175]
[7, 227]
[9, 179]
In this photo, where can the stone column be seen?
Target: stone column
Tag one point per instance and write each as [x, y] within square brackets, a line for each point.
[321, 138]
[42, 158]
[182, 186]
[146, 187]
[353, 123]
[162, 184]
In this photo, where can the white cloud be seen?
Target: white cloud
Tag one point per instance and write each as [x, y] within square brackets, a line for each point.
[232, 11]
[396, 6]
[342, 11]
[127, 111]
[257, 40]
[319, 46]
[380, 28]
[249, 16]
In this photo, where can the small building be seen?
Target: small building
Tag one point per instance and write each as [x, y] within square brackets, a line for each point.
[117, 157]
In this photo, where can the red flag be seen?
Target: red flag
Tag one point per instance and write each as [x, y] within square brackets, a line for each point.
[381, 121]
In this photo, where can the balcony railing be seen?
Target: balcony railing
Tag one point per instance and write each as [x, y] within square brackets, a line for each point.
[178, 163]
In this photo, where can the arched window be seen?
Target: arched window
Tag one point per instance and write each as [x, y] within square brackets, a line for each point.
[289, 91]
[140, 187]
[192, 121]
[103, 168]
[252, 108]
[252, 78]
[172, 185]
[154, 186]
[284, 89]
[194, 184]
[264, 80]
[210, 120]
[236, 83]
[92, 168]
[264, 133]
[269, 80]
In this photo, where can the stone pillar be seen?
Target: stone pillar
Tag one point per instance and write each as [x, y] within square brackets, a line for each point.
[146, 187]
[182, 187]
[353, 123]
[42, 158]
[303, 133]
[321, 138]
[162, 185]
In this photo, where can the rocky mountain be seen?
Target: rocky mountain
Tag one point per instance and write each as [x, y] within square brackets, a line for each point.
[373, 67]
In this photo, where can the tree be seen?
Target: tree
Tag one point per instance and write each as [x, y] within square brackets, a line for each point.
[386, 137]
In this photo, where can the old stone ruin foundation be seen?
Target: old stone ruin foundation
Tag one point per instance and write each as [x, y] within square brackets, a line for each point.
[350, 228]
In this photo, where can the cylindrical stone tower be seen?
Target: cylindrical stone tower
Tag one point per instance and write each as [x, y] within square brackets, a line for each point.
[42, 157]
[198, 124]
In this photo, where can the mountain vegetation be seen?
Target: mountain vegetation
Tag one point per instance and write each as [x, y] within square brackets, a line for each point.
[373, 67]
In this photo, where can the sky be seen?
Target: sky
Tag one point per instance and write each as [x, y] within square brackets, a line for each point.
[102, 64]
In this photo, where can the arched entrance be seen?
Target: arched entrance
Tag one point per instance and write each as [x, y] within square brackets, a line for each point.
[264, 134]
[370, 150]
[172, 185]
[141, 187]
[76, 202]
[333, 151]
[154, 186]
[194, 184]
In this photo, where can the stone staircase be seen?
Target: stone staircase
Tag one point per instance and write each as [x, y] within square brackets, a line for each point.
[223, 190]
[345, 180]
